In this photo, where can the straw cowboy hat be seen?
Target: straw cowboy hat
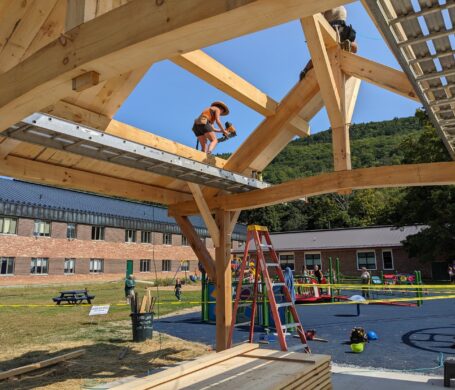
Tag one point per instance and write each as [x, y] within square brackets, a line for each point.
[221, 105]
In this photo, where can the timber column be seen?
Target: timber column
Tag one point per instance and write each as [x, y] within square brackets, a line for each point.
[223, 280]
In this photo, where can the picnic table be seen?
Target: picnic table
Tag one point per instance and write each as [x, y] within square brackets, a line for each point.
[73, 297]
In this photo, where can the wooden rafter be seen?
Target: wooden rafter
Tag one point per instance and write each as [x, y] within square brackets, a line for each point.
[151, 31]
[413, 175]
[205, 213]
[208, 69]
[52, 174]
[197, 245]
[377, 74]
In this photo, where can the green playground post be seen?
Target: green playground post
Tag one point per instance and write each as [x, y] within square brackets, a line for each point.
[204, 298]
[338, 273]
[382, 277]
[331, 278]
[265, 306]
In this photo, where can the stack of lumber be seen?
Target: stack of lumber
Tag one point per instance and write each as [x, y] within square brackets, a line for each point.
[145, 305]
[243, 367]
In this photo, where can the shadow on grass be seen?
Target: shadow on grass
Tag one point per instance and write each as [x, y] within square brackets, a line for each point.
[102, 362]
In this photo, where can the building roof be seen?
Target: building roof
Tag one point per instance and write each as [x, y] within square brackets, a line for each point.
[114, 212]
[368, 237]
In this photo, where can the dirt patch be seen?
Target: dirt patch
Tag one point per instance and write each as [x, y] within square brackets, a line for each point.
[103, 361]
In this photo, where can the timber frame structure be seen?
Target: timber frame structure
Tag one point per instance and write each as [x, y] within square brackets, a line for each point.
[78, 60]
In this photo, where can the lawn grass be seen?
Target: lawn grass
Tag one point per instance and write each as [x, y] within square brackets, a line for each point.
[52, 323]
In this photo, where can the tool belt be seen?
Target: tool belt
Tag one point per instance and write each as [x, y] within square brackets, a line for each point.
[201, 120]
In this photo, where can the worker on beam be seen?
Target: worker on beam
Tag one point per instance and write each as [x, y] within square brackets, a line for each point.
[345, 33]
[203, 126]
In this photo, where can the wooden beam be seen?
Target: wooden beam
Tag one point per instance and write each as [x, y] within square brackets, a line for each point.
[216, 74]
[41, 364]
[132, 133]
[85, 81]
[46, 173]
[271, 127]
[223, 281]
[205, 213]
[197, 245]
[380, 75]
[329, 34]
[234, 218]
[75, 13]
[151, 31]
[331, 81]
[7, 146]
[412, 175]
[77, 114]
[165, 377]
[24, 31]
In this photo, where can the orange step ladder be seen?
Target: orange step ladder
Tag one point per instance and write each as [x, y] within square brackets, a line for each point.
[262, 241]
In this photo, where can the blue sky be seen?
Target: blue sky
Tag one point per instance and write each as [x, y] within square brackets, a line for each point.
[169, 98]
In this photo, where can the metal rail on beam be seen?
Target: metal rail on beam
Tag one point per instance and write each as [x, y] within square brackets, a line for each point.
[49, 131]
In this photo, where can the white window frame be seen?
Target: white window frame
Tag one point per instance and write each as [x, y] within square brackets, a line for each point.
[68, 230]
[70, 259]
[39, 228]
[170, 265]
[39, 260]
[169, 235]
[11, 221]
[144, 261]
[130, 236]
[393, 260]
[363, 251]
[312, 253]
[8, 260]
[287, 254]
[146, 233]
[96, 270]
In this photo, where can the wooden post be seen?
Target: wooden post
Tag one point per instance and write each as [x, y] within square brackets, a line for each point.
[223, 281]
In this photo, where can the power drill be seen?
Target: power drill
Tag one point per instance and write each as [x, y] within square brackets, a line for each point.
[230, 130]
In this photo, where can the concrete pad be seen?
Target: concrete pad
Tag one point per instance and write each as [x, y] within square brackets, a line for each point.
[359, 378]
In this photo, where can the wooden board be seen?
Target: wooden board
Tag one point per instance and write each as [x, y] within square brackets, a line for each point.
[239, 368]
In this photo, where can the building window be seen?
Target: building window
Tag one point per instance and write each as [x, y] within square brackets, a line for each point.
[39, 266]
[97, 233]
[130, 235]
[144, 266]
[312, 259]
[69, 266]
[71, 231]
[185, 265]
[96, 266]
[184, 240]
[166, 265]
[8, 225]
[167, 239]
[6, 265]
[366, 259]
[146, 237]
[42, 229]
[287, 260]
[387, 259]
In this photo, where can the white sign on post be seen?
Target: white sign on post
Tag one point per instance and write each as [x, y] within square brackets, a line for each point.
[99, 310]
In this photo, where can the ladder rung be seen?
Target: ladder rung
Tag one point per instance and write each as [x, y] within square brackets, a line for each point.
[278, 284]
[284, 304]
[244, 305]
[291, 325]
[265, 246]
[272, 264]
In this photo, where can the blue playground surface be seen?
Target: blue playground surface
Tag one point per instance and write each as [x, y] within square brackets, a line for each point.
[410, 338]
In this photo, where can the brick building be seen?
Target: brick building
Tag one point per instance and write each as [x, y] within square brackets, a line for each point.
[50, 234]
[376, 248]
